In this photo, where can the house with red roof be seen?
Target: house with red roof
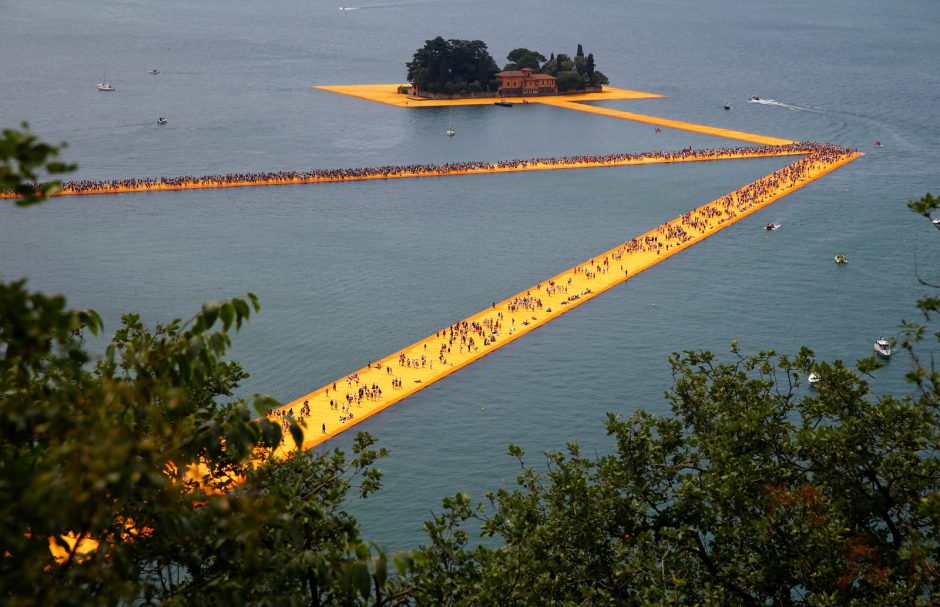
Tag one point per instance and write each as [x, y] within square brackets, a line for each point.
[517, 83]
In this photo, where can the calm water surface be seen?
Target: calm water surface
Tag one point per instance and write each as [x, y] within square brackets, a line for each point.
[350, 272]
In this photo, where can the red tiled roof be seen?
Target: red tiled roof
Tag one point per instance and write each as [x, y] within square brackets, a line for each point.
[527, 76]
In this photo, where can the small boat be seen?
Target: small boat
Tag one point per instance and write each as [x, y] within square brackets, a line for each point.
[878, 144]
[450, 131]
[727, 107]
[154, 72]
[105, 87]
[657, 130]
[936, 222]
[755, 98]
[770, 227]
[882, 347]
[162, 120]
[841, 259]
[450, 125]
[813, 378]
[503, 103]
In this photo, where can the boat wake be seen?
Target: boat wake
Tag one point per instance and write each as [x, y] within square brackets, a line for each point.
[786, 105]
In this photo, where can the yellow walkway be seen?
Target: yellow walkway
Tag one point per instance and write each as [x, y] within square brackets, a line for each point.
[612, 160]
[666, 122]
[388, 94]
[400, 374]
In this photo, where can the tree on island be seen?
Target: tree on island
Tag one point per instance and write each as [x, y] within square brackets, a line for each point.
[461, 64]
[583, 66]
[521, 58]
[456, 67]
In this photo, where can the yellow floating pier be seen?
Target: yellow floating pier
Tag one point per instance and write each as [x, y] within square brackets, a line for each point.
[394, 172]
[666, 122]
[338, 406]
[389, 95]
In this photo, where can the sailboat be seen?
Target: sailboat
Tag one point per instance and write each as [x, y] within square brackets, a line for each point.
[450, 127]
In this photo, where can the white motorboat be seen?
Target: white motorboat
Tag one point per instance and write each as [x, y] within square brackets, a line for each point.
[813, 378]
[162, 120]
[841, 259]
[105, 87]
[936, 222]
[883, 347]
[154, 72]
[770, 227]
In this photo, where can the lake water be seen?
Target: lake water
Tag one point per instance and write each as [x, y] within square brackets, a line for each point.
[350, 272]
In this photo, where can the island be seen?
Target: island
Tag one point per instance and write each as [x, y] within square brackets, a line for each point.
[460, 69]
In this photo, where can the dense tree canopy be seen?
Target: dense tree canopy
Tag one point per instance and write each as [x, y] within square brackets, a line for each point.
[562, 67]
[459, 63]
[524, 58]
[465, 66]
[751, 494]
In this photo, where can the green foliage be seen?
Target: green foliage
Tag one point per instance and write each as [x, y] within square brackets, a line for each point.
[100, 452]
[569, 81]
[23, 161]
[559, 63]
[925, 205]
[441, 62]
[524, 58]
[599, 79]
[753, 493]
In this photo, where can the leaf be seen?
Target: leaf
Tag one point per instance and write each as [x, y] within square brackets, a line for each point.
[362, 579]
[210, 311]
[381, 570]
[242, 311]
[254, 301]
[297, 434]
[403, 562]
[227, 313]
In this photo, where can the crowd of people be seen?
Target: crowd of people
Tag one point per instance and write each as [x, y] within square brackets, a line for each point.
[85, 186]
[467, 336]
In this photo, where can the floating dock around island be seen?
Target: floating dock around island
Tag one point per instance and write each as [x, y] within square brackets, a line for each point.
[389, 95]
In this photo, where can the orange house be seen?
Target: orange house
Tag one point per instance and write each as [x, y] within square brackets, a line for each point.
[526, 82]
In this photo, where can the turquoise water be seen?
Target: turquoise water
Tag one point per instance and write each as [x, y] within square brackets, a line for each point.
[350, 272]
